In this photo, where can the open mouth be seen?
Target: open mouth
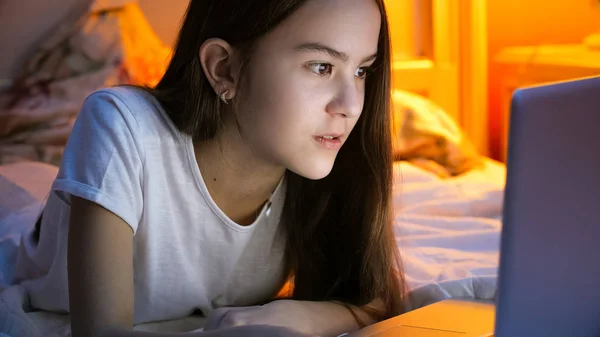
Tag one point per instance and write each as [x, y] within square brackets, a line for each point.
[329, 142]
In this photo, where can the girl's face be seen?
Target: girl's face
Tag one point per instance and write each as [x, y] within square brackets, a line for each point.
[305, 85]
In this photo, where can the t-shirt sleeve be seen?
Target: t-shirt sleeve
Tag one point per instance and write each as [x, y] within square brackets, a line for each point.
[102, 161]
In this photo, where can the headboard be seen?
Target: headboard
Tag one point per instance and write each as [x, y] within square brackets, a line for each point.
[440, 52]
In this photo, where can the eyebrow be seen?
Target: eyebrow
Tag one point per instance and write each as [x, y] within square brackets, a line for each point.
[318, 47]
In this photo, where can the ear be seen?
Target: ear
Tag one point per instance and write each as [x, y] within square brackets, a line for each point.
[219, 65]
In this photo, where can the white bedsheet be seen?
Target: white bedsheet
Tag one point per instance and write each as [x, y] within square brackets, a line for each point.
[447, 231]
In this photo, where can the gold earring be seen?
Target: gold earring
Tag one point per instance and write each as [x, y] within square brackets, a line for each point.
[222, 96]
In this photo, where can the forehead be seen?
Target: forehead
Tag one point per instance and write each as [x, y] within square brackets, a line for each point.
[349, 26]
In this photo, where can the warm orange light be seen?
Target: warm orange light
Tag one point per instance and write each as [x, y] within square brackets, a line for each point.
[401, 17]
[530, 23]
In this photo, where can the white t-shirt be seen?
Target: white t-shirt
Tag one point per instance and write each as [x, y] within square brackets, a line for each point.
[126, 155]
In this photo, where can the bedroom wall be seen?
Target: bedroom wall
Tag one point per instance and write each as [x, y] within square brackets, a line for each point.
[403, 21]
[532, 22]
[165, 20]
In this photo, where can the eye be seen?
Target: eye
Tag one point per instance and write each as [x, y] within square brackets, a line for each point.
[322, 69]
[362, 72]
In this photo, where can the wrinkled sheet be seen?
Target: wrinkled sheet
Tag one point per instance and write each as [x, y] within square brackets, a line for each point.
[447, 230]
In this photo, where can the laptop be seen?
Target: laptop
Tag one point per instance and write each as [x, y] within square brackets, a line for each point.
[549, 273]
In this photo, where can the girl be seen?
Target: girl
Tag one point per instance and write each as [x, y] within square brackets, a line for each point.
[262, 156]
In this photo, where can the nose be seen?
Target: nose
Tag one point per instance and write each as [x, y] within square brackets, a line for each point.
[348, 101]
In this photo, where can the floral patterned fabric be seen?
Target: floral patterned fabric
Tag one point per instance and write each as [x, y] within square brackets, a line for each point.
[103, 48]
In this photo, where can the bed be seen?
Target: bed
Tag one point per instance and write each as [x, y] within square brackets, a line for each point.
[447, 195]
[447, 230]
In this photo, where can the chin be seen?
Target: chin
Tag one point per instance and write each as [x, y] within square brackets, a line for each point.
[313, 169]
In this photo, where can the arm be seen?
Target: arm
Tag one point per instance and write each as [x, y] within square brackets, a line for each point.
[100, 269]
[241, 331]
[314, 318]
[334, 319]
[100, 273]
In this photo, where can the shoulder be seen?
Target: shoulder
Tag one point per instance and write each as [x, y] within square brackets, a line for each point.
[109, 107]
[133, 98]
[129, 106]
[129, 102]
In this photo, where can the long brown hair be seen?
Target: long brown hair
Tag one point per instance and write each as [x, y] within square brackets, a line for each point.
[340, 244]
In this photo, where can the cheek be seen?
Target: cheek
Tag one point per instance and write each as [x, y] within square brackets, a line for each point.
[281, 107]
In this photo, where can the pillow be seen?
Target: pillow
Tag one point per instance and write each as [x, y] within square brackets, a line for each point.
[427, 136]
[25, 23]
[102, 49]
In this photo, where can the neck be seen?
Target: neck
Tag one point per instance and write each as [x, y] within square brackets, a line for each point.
[239, 183]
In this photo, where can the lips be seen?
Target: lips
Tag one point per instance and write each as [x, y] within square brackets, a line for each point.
[330, 142]
[330, 135]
